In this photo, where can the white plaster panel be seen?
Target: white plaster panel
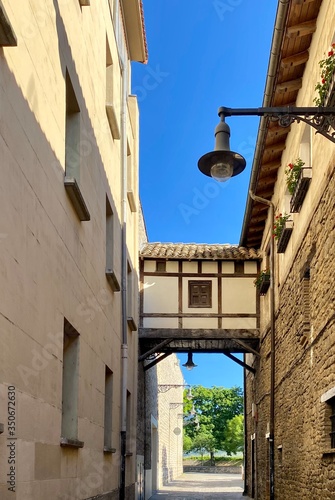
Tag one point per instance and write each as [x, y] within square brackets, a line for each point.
[190, 267]
[160, 322]
[239, 323]
[160, 294]
[199, 310]
[209, 267]
[228, 267]
[149, 266]
[172, 266]
[200, 322]
[238, 295]
[250, 267]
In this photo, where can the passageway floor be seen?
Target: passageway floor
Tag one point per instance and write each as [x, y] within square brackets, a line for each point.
[197, 486]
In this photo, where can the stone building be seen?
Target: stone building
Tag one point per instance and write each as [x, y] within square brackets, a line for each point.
[290, 400]
[69, 248]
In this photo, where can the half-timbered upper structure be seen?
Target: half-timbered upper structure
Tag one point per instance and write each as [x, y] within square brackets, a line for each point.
[198, 298]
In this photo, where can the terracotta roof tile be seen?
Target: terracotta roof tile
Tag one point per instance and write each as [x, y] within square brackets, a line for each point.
[192, 251]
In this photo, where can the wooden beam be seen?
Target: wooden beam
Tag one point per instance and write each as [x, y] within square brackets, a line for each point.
[266, 180]
[289, 86]
[301, 2]
[157, 360]
[277, 131]
[239, 362]
[247, 347]
[302, 29]
[295, 60]
[155, 349]
[197, 333]
[274, 148]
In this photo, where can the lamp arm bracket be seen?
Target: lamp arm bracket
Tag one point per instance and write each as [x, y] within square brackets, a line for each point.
[322, 119]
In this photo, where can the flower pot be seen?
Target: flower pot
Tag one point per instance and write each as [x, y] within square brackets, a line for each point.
[301, 189]
[285, 236]
[264, 284]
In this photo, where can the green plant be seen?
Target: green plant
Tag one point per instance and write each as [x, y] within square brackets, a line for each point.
[327, 66]
[292, 173]
[260, 278]
[279, 225]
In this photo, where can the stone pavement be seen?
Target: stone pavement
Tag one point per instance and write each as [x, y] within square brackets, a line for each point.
[195, 486]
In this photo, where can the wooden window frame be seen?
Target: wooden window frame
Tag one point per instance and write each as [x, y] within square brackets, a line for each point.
[193, 283]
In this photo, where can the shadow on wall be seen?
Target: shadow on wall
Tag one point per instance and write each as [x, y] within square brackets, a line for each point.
[165, 468]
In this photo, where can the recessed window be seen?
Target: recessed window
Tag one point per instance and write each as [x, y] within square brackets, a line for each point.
[7, 35]
[72, 132]
[199, 294]
[130, 298]
[72, 152]
[108, 410]
[112, 104]
[331, 404]
[69, 431]
[161, 266]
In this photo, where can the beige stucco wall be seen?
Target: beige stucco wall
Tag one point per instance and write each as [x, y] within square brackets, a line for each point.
[53, 265]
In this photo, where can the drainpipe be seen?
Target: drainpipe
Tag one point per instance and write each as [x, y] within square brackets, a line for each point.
[124, 271]
[272, 343]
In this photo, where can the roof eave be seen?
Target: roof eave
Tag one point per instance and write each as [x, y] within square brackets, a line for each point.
[277, 40]
[135, 30]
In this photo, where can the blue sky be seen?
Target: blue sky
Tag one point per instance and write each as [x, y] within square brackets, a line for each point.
[202, 54]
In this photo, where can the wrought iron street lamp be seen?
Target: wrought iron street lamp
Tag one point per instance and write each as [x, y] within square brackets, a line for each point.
[221, 164]
[189, 365]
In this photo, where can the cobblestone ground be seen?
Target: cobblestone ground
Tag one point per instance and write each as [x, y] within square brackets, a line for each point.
[199, 486]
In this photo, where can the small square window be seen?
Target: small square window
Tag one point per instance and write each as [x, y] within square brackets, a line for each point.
[199, 294]
[161, 266]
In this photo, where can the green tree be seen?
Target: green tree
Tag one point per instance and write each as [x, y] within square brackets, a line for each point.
[210, 410]
[204, 441]
[187, 443]
[234, 441]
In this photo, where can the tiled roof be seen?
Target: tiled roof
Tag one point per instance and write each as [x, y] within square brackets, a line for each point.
[144, 34]
[192, 251]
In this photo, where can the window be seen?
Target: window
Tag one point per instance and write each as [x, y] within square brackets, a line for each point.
[199, 294]
[111, 108]
[7, 35]
[239, 267]
[108, 411]
[72, 152]
[69, 431]
[72, 132]
[130, 299]
[161, 266]
[331, 403]
[329, 418]
[130, 180]
[128, 426]
[304, 332]
[305, 175]
[110, 272]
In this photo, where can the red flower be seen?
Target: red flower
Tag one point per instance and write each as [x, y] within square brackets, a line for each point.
[323, 80]
[290, 165]
[333, 45]
[330, 53]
